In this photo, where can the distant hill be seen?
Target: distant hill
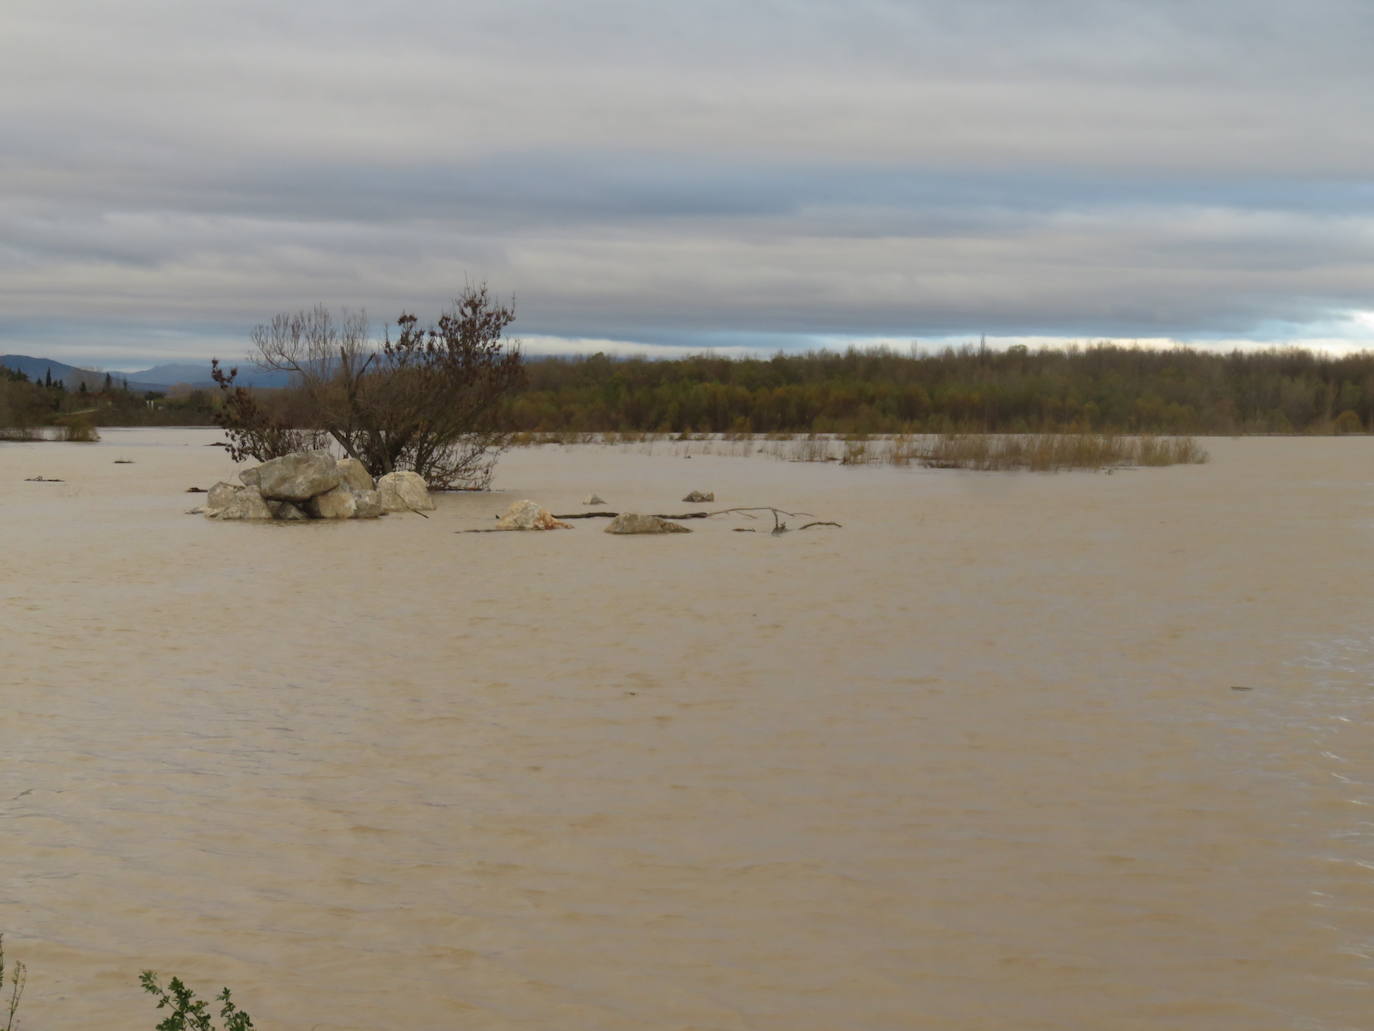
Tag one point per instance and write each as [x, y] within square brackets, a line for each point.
[198, 374]
[159, 378]
[71, 376]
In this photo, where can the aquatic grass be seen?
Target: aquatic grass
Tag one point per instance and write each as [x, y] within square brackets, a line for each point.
[1052, 452]
[79, 430]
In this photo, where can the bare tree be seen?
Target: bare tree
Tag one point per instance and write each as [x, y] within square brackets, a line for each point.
[429, 401]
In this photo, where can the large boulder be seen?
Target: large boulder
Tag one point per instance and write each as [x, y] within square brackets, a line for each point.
[299, 476]
[355, 475]
[369, 504]
[633, 522]
[338, 503]
[404, 492]
[237, 503]
[527, 515]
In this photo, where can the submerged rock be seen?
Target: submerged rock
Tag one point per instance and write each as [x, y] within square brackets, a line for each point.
[221, 494]
[634, 522]
[226, 501]
[528, 515]
[696, 497]
[593, 499]
[369, 504]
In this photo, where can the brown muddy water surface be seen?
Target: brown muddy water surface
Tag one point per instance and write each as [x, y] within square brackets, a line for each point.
[976, 760]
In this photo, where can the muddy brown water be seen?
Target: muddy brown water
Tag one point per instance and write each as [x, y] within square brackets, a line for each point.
[978, 760]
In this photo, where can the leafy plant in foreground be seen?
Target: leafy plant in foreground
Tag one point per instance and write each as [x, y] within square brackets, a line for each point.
[188, 1012]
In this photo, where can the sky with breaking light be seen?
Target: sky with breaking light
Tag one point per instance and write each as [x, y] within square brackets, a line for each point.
[752, 175]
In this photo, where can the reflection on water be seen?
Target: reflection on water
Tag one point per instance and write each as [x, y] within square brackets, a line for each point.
[972, 762]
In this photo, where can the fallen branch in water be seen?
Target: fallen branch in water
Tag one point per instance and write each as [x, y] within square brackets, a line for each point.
[612, 515]
[747, 510]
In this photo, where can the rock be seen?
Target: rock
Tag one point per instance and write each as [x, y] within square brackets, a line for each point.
[220, 495]
[299, 476]
[249, 477]
[369, 504]
[286, 511]
[698, 496]
[527, 515]
[593, 499]
[355, 475]
[338, 503]
[404, 492]
[633, 522]
[244, 503]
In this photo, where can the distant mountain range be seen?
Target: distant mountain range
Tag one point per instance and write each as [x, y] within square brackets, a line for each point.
[159, 378]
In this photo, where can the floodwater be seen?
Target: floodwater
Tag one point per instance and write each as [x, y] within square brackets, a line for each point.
[976, 760]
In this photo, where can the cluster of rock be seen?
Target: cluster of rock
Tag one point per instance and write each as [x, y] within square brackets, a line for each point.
[696, 497]
[315, 485]
[529, 515]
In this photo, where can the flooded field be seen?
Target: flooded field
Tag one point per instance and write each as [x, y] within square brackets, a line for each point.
[1004, 751]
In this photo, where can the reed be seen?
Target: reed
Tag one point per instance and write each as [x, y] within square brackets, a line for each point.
[1052, 452]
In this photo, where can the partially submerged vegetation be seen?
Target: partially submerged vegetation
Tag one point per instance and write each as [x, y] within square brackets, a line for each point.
[429, 401]
[1043, 452]
[1103, 388]
[1051, 452]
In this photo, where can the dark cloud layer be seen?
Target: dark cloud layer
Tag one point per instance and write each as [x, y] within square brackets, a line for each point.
[749, 174]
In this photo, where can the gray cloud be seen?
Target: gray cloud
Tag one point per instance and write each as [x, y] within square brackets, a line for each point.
[743, 173]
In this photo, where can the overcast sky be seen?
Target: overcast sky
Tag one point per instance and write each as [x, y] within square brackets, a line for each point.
[743, 174]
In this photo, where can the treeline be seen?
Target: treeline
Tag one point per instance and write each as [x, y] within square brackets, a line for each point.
[27, 404]
[1106, 388]
[1098, 388]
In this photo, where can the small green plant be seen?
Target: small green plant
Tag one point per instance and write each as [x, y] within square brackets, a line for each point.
[19, 976]
[188, 1012]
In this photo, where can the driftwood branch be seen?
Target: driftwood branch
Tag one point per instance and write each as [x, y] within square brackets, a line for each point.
[612, 515]
[745, 510]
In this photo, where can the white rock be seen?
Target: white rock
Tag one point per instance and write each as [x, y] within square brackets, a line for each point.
[369, 504]
[246, 503]
[220, 495]
[404, 492]
[528, 515]
[593, 499]
[338, 503]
